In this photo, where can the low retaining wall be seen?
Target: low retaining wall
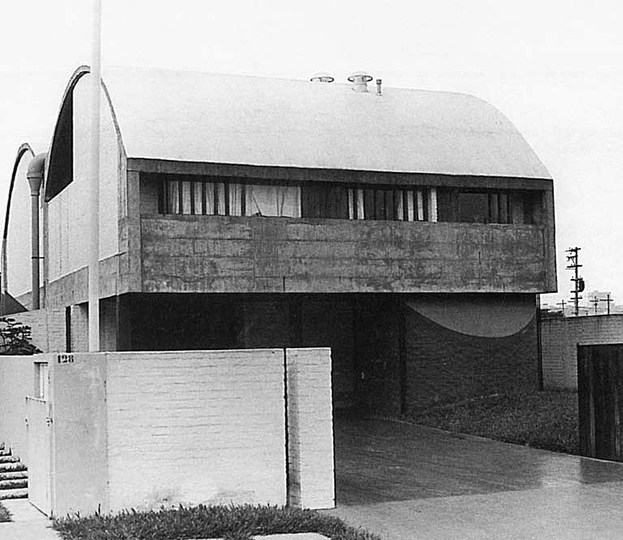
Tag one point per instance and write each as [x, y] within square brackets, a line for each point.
[560, 338]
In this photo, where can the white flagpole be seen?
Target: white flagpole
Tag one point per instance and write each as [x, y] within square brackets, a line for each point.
[94, 178]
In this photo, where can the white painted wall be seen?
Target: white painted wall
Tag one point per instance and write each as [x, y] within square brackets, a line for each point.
[68, 217]
[311, 474]
[17, 380]
[147, 429]
[196, 427]
[560, 338]
[79, 462]
[19, 269]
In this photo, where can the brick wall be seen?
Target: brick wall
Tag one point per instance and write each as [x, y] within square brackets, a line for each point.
[310, 429]
[142, 430]
[560, 338]
[196, 427]
[47, 328]
[79, 327]
[444, 366]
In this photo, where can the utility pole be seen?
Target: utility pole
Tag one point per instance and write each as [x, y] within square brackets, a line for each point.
[562, 305]
[608, 301]
[595, 302]
[578, 282]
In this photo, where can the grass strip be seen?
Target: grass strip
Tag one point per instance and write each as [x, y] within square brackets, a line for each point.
[223, 521]
[547, 420]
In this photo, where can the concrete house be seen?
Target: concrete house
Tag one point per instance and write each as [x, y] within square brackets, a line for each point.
[408, 230]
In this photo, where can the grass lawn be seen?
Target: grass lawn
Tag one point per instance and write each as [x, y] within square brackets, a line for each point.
[228, 522]
[4, 514]
[547, 420]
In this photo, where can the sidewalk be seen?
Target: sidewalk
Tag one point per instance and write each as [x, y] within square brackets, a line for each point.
[28, 523]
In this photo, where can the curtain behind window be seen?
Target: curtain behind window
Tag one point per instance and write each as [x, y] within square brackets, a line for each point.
[275, 201]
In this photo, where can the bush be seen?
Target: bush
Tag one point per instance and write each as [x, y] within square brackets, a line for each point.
[5, 515]
[15, 338]
[228, 522]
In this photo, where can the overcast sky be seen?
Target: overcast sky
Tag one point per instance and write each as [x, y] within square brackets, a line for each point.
[555, 68]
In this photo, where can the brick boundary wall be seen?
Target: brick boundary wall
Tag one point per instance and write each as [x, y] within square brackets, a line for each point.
[47, 327]
[147, 429]
[560, 338]
[17, 380]
[311, 475]
[444, 366]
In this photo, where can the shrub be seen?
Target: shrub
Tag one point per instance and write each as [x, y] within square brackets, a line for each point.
[222, 521]
[15, 338]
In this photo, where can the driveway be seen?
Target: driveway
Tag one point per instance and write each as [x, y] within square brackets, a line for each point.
[407, 482]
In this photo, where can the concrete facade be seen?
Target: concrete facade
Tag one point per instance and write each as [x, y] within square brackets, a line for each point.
[560, 338]
[480, 228]
[199, 254]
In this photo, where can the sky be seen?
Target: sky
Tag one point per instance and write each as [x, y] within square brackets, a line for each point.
[554, 68]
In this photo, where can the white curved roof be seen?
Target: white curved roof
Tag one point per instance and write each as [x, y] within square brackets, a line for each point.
[200, 117]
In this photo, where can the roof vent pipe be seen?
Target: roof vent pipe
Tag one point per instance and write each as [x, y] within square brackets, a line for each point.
[360, 80]
[35, 179]
[322, 78]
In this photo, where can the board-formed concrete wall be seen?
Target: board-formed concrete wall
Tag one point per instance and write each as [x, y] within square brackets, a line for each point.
[254, 254]
[560, 338]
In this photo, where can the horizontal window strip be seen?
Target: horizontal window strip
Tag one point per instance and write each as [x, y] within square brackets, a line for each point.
[199, 197]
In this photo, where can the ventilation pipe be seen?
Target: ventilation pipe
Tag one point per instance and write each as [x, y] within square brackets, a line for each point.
[360, 80]
[322, 78]
[35, 179]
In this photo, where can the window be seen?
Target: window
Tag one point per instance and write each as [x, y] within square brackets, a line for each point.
[396, 204]
[188, 195]
[483, 208]
[41, 380]
[230, 199]
[475, 206]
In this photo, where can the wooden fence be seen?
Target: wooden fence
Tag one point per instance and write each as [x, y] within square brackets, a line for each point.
[600, 395]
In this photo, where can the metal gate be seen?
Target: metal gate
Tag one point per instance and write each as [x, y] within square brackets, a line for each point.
[39, 442]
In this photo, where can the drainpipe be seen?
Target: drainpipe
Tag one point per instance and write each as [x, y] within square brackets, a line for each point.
[35, 179]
